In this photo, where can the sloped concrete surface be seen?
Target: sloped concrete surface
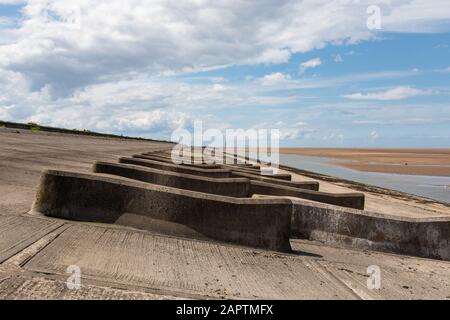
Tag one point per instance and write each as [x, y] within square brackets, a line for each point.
[203, 268]
[16, 233]
[119, 262]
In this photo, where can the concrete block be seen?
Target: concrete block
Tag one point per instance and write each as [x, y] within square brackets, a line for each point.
[169, 160]
[240, 169]
[231, 187]
[263, 223]
[212, 173]
[350, 200]
[237, 187]
[310, 185]
[428, 238]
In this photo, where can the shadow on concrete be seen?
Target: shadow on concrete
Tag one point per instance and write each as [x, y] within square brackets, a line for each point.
[306, 254]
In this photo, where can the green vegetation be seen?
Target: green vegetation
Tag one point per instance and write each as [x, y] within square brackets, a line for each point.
[2, 126]
[34, 126]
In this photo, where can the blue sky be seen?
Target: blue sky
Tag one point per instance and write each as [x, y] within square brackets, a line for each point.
[312, 69]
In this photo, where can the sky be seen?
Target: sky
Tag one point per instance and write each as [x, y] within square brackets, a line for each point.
[343, 73]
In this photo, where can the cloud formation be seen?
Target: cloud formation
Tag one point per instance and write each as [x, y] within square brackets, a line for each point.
[111, 65]
[276, 78]
[98, 40]
[313, 63]
[397, 93]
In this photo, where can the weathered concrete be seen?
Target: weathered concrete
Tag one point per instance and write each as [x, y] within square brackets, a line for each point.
[171, 266]
[194, 159]
[236, 168]
[246, 165]
[310, 185]
[281, 176]
[350, 200]
[32, 287]
[140, 161]
[97, 198]
[237, 187]
[16, 233]
[240, 169]
[119, 262]
[167, 155]
[425, 237]
[24, 154]
[231, 187]
[225, 172]
[158, 157]
[246, 168]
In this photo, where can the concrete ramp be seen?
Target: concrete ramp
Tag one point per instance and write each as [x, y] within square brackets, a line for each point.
[96, 198]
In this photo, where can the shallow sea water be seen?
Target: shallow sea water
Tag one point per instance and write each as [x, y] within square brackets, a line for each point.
[437, 188]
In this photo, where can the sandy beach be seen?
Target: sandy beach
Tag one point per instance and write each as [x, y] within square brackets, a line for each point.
[427, 162]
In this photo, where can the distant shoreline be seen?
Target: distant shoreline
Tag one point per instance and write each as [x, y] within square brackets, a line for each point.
[419, 161]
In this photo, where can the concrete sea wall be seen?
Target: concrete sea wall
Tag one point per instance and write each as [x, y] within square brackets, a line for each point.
[231, 203]
[231, 187]
[263, 223]
[429, 238]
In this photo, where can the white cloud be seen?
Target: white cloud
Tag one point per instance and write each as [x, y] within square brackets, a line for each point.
[274, 56]
[338, 58]
[151, 121]
[397, 93]
[298, 134]
[276, 78]
[89, 41]
[12, 2]
[416, 16]
[284, 81]
[288, 131]
[313, 63]
[64, 60]
[115, 38]
[403, 121]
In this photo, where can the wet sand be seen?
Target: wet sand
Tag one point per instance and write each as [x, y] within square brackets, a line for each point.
[426, 162]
